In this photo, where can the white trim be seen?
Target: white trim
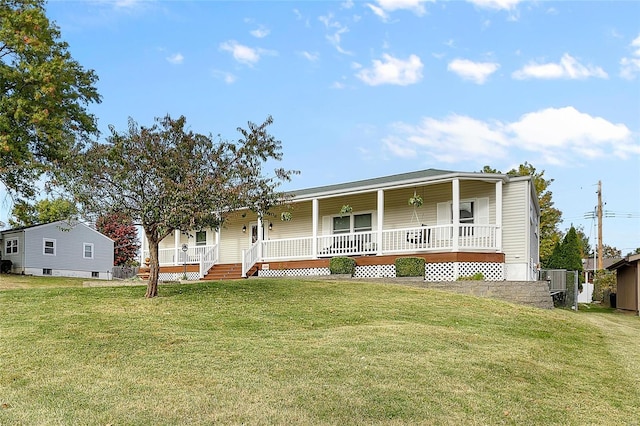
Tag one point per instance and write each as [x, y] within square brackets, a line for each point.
[15, 247]
[44, 246]
[84, 250]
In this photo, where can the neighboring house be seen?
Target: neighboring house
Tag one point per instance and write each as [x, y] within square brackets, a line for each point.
[589, 265]
[468, 223]
[62, 248]
[628, 283]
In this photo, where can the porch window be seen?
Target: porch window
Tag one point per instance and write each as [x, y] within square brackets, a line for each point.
[466, 218]
[49, 247]
[201, 238]
[352, 223]
[11, 247]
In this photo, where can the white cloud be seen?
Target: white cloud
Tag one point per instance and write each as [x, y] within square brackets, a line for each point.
[227, 77]
[630, 67]
[556, 135]
[335, 37]
[244, 54]
[378, 11]
[568, 68]
[398, 148]
[496, 4]
[176, 58]
[310, 56]
[562, 131]
[384, 6]
[260, 32]
[391, 70]
[478, 72]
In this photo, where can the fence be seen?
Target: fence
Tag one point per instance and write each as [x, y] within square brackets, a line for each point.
[124, 272]
[562, 286]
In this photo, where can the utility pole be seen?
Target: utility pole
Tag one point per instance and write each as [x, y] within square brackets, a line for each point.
[599, 212]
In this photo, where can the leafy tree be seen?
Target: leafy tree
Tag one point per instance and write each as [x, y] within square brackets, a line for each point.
[44, 93]
[167, 178]
[44, 211]
[636, 251]
[550, 216]
[609, 252]
[585, 247]
[566, 254]
[124, 233]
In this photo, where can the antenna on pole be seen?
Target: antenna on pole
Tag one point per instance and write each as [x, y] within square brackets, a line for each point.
[599, 212]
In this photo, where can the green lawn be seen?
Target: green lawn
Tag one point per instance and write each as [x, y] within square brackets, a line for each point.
[270, 351]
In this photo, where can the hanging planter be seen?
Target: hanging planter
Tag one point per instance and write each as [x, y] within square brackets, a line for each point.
[346, 209]
[286, 216]
[416, 200]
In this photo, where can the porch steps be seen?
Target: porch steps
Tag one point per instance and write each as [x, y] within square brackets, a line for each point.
[229, 271]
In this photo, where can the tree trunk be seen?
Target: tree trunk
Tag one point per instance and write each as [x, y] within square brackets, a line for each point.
[154, 267]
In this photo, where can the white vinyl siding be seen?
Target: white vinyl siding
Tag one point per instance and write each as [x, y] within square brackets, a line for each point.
[515, 222]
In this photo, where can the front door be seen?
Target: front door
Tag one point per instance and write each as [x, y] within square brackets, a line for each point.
[254, 232]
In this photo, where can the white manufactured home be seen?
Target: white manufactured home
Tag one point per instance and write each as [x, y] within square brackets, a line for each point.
[461, 223]
[62, 248]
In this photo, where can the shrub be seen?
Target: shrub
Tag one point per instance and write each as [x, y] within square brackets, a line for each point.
[342, 265]
[409, 267]
[478, 276]
[605, 282]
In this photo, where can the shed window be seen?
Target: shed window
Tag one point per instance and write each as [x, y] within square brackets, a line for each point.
[47, 271]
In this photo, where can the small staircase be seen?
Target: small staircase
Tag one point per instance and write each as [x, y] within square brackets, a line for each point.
[228, 271]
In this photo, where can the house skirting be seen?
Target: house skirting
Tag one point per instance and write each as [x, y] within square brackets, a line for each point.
[438, 266]
[39, 272]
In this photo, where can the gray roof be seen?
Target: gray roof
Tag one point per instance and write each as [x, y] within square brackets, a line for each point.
[420, 176]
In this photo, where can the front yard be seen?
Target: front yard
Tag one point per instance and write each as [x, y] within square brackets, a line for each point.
[280, 351]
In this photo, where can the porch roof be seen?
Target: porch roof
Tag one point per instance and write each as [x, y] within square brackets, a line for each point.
[392, 181]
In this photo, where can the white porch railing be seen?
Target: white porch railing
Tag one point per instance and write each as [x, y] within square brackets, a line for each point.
[208, 259]
[167, 257]
[289, 248]
[403, 240]
[250, 257]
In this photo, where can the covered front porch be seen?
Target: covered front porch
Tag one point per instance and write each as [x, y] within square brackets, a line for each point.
[379, 225]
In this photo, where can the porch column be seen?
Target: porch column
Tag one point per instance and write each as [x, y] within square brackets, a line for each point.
[314, 228]
[380, 222]
[260, 237]
[143, 240]
[499, 216]
[455, 186]
[176, 246]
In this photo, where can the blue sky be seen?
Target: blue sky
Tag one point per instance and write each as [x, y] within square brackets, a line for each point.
[362, 89]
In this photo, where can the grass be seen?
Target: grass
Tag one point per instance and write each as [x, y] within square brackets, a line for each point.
[270, 351]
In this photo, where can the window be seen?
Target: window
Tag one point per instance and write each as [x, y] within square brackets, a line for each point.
[342, 225]
[352, 223]
[47, 271]
[466, 218]
[466, 212]
[11, 247]
[49, 247]
[201, 238]
[95, 275]
[87, 250]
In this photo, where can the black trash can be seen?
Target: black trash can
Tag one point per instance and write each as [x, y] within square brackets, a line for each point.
[612, 300]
